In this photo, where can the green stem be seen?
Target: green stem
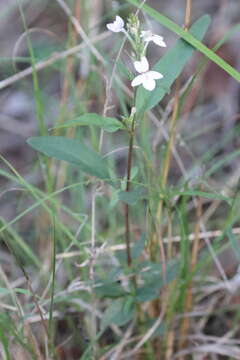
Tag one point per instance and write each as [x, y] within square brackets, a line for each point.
[128, 185]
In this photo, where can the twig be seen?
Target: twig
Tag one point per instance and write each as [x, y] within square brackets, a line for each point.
[43, 64]
[228, 350]
[188, 11]
[92, 261]
[121, 345]
[50, 322]
[149, 334]
[183, 342]
[80, 31]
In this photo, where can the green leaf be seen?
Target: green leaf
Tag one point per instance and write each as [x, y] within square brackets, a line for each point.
[108, 124]
[72, 151]
[148, 292]
[136, 250]
[120, 312]
[171, 66]
[152, 275]
[188, 38]
[112, 290]
[108, 285]
[138, 247]
[132, 197]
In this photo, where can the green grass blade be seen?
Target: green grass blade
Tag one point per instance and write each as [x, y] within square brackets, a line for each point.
[21, 244]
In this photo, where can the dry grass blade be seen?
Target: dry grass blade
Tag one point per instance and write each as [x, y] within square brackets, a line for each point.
[218, 349]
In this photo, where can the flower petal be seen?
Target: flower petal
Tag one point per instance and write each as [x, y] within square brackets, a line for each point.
[119, 21]
[111, 27]
[149, 84]
[142, 65]
[137, 80]
[146, 35]
[155, 75]
[117, 25]
[158, 40]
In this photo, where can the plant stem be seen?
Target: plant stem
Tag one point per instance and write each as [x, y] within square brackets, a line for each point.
[50, 323]
[188, 12]
[92, 276]
[129, 168]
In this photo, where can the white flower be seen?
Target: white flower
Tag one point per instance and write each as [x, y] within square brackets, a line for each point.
[148, 36]
[141, 66]
[117, 25]
[146, 78]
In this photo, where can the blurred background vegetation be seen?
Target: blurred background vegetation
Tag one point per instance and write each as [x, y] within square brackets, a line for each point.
[48, 75]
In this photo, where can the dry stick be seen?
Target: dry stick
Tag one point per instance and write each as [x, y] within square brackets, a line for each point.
[80, 31]
[151, 331]
[123, 342]
[45, 63]
[108, 90]
[21, 38]
[183, 343]
[170, 336]
[35, 300]
[175, 239]
[170, 343]
[188, 12]
[92, 275]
